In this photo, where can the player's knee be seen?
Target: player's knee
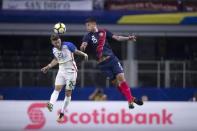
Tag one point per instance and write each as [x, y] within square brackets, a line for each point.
[58, 88]
[68, 93]
[120, 77]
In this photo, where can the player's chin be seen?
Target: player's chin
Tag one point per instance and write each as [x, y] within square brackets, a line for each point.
[89, 30]
[58, 46]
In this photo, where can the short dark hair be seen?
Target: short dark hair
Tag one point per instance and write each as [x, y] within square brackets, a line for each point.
[91, 19]
[54, 37]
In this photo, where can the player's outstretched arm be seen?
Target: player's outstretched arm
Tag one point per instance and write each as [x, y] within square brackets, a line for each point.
[53, 63]
[78, 52]
[83, 46]
[124, 38]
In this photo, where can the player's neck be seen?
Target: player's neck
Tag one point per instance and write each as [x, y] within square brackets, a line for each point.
[59, 48]
[95, 29]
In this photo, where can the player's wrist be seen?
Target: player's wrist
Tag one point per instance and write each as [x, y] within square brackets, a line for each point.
[130, 37]
[84, 54]
[49, 66]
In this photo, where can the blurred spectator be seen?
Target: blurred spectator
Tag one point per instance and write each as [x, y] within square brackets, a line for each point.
[144, 98]
[157, 5]
[98, 4]
[1, 97]
[194, 98]
[180, 5]
[98, 95]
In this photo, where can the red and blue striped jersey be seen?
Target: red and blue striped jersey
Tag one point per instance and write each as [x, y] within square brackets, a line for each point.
[100, 42]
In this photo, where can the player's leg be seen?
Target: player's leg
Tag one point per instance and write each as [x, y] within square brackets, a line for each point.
[124, 89]
[114, 70]
[54, 97]
[110, 71]
[70, 84]
[66, 102]
[59, 83]
[120, 80]
[122, 84]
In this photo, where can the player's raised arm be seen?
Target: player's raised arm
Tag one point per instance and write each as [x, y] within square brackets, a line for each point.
[124, 38]
[74, 50]
[120, 37]
[78, 52]
[83, 46]
[53, 63]
[85, 42]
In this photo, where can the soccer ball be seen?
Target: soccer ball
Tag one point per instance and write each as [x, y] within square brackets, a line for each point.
[59, 28]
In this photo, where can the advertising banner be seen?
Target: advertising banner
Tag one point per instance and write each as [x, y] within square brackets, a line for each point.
[97, 116]
[81, 5]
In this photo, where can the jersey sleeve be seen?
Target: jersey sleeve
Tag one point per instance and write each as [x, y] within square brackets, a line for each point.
[109, 34]
[71, 46]
[53, 52]
[86, 38]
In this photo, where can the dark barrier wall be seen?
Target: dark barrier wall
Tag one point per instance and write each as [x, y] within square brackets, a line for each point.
[64, 16]
[43, 93]
[103, 17]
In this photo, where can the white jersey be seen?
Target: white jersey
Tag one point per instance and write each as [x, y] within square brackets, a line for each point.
[65, 57]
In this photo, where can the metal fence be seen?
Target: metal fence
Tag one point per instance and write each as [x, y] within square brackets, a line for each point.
[160, 74]
[167, 73]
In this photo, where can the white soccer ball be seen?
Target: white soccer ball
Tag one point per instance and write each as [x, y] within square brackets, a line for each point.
[59, 28]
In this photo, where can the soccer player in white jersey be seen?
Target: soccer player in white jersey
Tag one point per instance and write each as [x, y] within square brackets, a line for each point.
[67, 73]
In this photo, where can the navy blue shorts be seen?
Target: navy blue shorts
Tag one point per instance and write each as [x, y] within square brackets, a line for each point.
[111, 67]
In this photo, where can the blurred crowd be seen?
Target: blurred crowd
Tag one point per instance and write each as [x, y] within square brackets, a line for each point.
[154, 5]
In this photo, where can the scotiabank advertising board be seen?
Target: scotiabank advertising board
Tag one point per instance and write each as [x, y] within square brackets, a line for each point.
[101, 116]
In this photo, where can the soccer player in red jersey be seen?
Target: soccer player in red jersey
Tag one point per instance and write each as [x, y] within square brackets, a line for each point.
[108, 63]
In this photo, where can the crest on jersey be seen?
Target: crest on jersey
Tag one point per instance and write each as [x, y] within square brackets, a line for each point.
[101, 34]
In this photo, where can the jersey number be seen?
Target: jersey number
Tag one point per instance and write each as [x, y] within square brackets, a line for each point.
[60, 55]
[120, 66]
[71, 84]
[94, 40]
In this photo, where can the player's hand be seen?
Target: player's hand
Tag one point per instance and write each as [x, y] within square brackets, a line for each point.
[132, 37]
[85, 56]
[83, 46]
[45, 69]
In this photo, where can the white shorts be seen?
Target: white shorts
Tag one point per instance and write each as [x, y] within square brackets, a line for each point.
[67, 78]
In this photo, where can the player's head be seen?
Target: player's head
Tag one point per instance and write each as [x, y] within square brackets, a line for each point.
[91, 24]
[55, 40]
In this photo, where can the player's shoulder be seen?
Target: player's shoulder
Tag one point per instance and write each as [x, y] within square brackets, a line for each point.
[103, 29]
[67, 43]
[54, 50]
[88, 34]
[109, 33]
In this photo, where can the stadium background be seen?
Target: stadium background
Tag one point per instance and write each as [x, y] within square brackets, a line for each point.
[160, 65]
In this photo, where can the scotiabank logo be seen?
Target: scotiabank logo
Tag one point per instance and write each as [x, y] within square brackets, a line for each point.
[100, 116]
[122, 117]
[36, 116]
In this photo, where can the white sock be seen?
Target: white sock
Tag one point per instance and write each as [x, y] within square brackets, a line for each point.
[65, 104]
[54, 97]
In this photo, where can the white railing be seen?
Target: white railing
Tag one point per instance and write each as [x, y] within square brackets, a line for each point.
[171, 73]
[148, 73]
